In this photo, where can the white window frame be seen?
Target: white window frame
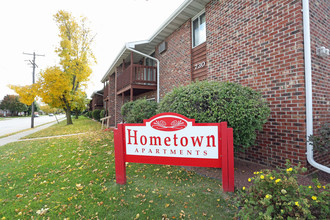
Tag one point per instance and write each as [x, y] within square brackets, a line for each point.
[192, 28]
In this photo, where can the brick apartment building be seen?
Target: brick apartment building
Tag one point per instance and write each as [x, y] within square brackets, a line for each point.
[96, 101]
[257, 43]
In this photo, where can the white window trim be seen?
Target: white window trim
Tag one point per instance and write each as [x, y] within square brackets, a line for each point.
[192, 28]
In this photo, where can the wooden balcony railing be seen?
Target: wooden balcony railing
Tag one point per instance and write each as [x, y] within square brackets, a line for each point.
[137, 75]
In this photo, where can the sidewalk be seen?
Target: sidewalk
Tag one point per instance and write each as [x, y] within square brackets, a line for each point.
[16, 137]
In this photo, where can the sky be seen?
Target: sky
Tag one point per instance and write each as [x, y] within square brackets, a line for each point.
[27, 26]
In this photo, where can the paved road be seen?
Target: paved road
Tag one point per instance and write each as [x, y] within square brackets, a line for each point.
[19, 135]
[12, 125]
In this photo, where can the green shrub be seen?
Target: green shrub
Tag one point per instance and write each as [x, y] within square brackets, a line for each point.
[243, 108]
[136, 111]
[321, 141]
[96, 114]
[277, 195]
[102, 113]
[126, 110]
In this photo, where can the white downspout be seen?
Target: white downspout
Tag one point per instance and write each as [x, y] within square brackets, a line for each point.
[308, 87]
[128, 47]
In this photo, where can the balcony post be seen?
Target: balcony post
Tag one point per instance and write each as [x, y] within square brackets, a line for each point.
[116, 81]
[131, 98]
[132, 68]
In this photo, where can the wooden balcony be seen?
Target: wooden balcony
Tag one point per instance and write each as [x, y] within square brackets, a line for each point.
[137, 79]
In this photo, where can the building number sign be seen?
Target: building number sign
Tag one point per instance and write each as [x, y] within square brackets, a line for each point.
[199, 65]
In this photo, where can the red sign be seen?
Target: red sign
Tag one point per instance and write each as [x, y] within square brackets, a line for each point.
[173, 139]
[168, 124]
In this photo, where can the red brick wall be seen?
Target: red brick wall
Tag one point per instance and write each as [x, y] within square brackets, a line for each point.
[97, 102]
[175, 62]
[147, 95]
[106, 91]
[320, 36]
[260, 44]
[120, 102]
[106, 98]
[111, 102]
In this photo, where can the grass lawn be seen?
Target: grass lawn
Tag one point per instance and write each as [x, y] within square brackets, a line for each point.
[74, 178]
[80, 126]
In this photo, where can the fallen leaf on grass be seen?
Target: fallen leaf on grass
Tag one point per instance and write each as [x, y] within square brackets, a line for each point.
[79, 187]
[19, 195]
[42, 211]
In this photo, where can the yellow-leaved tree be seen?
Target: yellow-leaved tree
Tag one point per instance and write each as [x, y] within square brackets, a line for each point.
[64, 86]
[80, 103]
[47, 109]
[26, 93]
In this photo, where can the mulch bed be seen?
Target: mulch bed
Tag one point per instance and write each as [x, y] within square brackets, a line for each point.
[245, 169]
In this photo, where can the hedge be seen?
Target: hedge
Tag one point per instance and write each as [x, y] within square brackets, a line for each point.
[136, 111]
[206, 102]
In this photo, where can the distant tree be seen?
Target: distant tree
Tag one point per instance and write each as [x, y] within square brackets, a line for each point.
[20, 107]
[36, 108]
[47, 109]
[80, 104]
[11, 103]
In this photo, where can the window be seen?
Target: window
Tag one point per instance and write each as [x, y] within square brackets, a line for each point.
[198, 29]
[149, 73]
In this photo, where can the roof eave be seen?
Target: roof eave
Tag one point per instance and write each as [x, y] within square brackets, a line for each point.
[112, 67]
[173, 18]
